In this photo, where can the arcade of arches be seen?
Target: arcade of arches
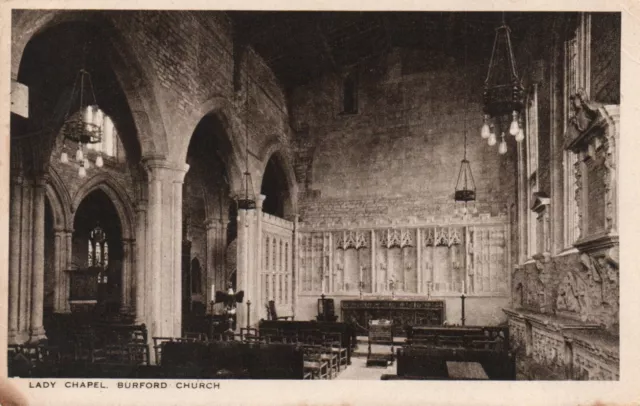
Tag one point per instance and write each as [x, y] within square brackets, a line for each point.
[352, 167]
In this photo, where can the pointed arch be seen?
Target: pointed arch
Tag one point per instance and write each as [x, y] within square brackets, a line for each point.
[224, 111]
[60, 201]
[118, 196]
[127, 65]
[275, 149]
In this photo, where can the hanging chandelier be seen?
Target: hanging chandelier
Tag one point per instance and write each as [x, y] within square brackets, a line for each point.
[247, 201]
[503, 94]
[84, 123]
[465, 190]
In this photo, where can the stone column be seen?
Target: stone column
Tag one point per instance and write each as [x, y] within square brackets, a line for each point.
[419, 260]
[141, 260]
[14, 257]
[243, 263]
[58, 269]
[295, 263]
[68, 237]
[37, 281]
[24, 302]
[127, 266]
[216, 245]
[163, 246]
[210, 266]
[259, 300]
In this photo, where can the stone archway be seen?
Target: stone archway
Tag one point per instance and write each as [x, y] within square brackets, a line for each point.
[118, 197]
[278, 176]
[127, 65]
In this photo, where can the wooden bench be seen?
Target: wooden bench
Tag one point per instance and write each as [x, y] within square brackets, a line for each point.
[293, 329]
[432, 361]
[380, 333]
[231, 359]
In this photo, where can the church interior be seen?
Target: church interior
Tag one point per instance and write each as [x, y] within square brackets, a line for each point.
[314, 195]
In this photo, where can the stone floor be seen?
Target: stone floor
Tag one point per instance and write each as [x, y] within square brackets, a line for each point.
[358, 370]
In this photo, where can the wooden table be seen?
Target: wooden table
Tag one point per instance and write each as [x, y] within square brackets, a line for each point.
[403, 312]
[466, 370]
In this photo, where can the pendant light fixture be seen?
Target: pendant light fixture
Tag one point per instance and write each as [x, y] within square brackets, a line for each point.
[503, 94]
[247, 201]
[465, 190]
[84, 122]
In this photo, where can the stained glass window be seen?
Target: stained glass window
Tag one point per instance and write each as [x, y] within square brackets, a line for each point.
[98, 249]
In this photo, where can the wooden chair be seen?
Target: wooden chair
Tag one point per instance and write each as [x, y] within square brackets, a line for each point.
[380, 333]
[249, 335]
[158, 342]
[87, 347]
[313, 362]
[273, 314]
[334, 340]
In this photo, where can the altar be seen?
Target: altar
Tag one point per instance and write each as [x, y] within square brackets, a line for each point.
[403, 312]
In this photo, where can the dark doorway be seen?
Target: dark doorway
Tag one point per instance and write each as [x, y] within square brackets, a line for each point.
[100, 255]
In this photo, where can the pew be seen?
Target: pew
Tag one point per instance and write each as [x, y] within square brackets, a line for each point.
[480, 337]
[432, 362]
[231, 359]
[347, 332]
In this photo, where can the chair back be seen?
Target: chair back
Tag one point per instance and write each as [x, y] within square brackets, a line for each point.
[273, 313]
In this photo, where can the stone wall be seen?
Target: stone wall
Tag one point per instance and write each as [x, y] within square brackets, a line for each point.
[185, 69]
[400, 154]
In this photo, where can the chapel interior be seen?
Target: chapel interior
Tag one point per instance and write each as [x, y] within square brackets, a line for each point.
[314, 195]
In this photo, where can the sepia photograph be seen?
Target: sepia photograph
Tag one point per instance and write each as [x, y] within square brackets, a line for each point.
[204, 196]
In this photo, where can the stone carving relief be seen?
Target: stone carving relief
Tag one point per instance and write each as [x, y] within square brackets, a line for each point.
[442, 236]
[584, 110]
[572, 295]
[396, 238]
[352, 239]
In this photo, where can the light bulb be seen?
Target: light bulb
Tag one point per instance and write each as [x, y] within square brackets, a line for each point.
[87, 115]
[502, 148]
[474, 210]
[82, 172]
[64, 158]
[464, 210]
[492, 139]
[520, 135]
[99, 162]
[85, 163]
[98, 116]
[79, 154]
[484, 132]
[514, 128]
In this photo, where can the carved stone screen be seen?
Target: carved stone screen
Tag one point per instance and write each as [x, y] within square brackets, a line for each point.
[595, 180]
[276, 276]
[406, 261]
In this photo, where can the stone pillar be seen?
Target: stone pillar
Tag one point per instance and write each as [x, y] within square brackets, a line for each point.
[210, 266]
[37, 282]
[141, 260]
[419, 260]
[59, 257]
[259, 300]
[24, 302]
[243, 263]
[216, 246]
[62, 254]
[68, 237]
[247, 265]
[295, 263]
[127, 266]
[163, 246]
[14, 257]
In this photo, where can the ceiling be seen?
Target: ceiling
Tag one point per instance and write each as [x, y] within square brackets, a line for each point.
[301, 46]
